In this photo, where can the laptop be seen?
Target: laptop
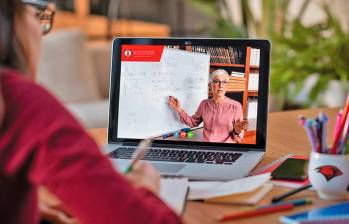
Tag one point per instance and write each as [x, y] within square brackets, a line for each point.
[218, 131]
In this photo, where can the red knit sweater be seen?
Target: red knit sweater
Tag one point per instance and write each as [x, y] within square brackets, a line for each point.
[42, 144]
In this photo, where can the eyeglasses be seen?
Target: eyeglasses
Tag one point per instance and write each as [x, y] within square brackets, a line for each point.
[218, 82]
[45, 13]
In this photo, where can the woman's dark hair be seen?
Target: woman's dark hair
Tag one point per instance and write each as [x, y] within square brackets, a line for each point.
[11, 54]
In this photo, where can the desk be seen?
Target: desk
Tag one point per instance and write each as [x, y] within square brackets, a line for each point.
[284, 136]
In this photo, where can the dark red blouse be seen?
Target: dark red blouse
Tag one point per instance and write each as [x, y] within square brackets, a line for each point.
[42, 144]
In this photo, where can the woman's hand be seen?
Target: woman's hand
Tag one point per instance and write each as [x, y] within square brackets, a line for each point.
[174, 104]
[144, 175]
[51, 209]
[240, 126]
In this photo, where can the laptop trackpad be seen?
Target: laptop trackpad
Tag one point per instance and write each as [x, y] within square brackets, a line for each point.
[168, 168]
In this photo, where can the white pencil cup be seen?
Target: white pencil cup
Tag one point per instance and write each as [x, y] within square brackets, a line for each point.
[329, 175]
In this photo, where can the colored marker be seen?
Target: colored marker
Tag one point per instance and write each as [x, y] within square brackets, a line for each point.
[185, 129]
[190, 134]
[337, 125]
[341, 127]
[324, 120]
[176, 134]
[167, 135]
[303, 121]
[183, 134]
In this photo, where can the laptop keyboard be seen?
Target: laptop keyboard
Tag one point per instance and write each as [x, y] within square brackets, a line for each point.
[187, 156]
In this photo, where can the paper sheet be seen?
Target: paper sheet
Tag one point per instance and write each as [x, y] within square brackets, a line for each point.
[173, 191]
[204, 189]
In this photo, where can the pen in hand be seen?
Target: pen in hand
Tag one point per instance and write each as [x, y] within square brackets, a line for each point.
[140, 152]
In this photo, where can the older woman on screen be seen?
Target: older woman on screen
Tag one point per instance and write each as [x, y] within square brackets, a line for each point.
[222, 116]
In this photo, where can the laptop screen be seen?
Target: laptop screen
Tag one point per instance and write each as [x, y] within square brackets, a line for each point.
[189, 93]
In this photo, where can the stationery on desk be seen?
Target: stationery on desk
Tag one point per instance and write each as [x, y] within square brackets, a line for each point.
[338, 213]
[263, 210]
[317, 131]
[245, 191]
[269, 168]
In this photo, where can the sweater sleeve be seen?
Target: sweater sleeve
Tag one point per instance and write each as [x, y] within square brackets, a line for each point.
[194, 120]
[88, 184]
[238, 117]
[68, 162]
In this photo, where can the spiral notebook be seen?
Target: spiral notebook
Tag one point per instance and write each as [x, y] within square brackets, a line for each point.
[338, 214]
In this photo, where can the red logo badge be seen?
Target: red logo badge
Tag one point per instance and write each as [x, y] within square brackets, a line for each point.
[128, 53]
[329, 171]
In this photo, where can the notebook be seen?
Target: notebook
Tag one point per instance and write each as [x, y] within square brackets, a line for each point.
[283, 183]
[248, 198]
[174, 192]
[338, 213]
[245, 191]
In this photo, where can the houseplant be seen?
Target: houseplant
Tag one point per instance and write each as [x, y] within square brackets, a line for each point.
[320, 51]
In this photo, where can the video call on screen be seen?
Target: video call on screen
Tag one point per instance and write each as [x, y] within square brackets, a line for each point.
[155, 79]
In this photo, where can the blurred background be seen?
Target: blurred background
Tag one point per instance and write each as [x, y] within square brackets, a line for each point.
[310, 45]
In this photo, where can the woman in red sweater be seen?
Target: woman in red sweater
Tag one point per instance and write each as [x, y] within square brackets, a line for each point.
[41, 144]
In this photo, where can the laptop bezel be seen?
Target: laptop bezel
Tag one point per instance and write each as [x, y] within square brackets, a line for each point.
[262, 108]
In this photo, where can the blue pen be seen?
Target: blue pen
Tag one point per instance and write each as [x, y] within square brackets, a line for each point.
[305, 201]
[324, 120]
[318, 129]
[311, 135]
[303, 121]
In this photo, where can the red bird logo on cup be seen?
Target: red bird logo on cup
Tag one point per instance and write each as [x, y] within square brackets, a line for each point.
[329, 171]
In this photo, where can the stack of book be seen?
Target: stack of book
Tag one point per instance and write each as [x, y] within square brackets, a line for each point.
[236, 84]
[237, 74]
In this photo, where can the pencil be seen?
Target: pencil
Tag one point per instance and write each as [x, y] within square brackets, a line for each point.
[344, 137]
[290, 193]
[306, 124]
[262, 211]
[284, 206]
[341, 127]
[139, 153]
[338, 121]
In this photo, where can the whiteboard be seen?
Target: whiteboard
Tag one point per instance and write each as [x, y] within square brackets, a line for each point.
[145, 86]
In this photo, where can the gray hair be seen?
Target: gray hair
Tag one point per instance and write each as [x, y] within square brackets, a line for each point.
[218, 72]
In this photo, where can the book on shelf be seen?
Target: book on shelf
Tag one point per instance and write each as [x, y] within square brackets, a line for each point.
[255, 57]
[253, 81]
[236, 84]
[223, 55]
[252, 105]
[237, 74]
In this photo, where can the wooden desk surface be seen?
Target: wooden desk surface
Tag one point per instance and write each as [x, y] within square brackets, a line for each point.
[284, 136]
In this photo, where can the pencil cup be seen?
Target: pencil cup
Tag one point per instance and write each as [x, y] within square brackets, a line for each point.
[329, 175]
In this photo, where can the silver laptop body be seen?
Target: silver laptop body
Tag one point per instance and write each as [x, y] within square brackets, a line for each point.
[251, 154]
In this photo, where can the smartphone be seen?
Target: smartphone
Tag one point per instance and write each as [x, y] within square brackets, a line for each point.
[291, 169]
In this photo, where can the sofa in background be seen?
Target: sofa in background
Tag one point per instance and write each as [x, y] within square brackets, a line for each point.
[77, 73]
